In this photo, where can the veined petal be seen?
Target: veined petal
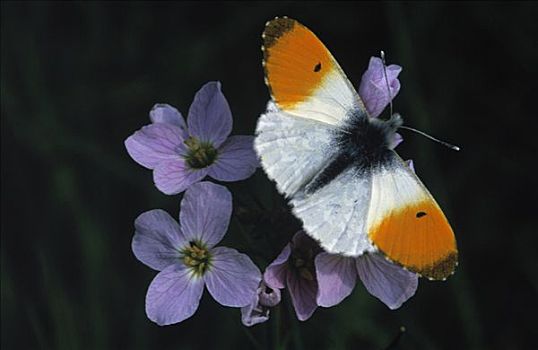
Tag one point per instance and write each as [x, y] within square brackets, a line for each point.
[173, 295]
[386, 281]
[205, 213]
[173, 177]
[236, 159]
[157, 240]
[303, 294]
[210, 118]
[373, 88]
[275, 274]
[155, 143]
[336, 276]
[258, 309]
[164, 113]
[232, 278]
[254, 313]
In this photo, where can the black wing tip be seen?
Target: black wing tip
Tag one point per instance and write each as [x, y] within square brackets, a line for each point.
[276, 28]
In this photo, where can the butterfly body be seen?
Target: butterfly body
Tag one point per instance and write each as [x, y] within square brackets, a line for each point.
[362, 142]
[336, 163]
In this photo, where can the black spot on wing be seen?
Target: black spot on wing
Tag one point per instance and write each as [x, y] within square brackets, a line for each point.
[317, 68]
[420, 214]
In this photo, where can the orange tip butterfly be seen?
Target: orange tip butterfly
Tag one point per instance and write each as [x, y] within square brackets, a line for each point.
[353, 193]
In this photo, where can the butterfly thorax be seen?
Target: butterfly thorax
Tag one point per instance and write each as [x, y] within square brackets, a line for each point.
[363, 142]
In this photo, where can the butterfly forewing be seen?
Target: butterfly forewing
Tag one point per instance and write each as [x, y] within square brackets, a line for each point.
[303, 77]
[406, 223]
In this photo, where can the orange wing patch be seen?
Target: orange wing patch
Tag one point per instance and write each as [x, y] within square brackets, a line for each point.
[419, 237]
[296, 62]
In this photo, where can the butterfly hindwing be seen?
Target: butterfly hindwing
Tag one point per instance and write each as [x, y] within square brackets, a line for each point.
[406, 223]
[303, 77]
[336, 214]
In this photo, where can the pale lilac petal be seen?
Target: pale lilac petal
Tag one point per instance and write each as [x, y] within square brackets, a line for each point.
[268, 296]
[373, 88]
[173, 295]
[236, 159]
[275, 274]
[155, 143]
[303, 294]
[254, 313]
[410, 164]
[387, 281]
[157, 239]
[205, 213]
[258, 310]
[396, 140]
[173, 177]
[336, 277]
[210, 118]
[164, 113]
[232, 278]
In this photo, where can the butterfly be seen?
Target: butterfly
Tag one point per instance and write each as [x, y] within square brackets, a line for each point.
[352, 192]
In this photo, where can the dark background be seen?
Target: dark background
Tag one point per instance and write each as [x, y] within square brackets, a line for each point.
[78, 78]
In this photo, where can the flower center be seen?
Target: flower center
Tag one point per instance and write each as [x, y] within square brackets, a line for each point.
[200, 154]
[197, 257]
[302, 262]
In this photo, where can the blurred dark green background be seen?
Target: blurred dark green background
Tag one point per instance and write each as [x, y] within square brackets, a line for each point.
[78, 78]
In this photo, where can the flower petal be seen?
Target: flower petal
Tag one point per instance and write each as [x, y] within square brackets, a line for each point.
[254, 313]
[173, 295]
[396, 140]
[173, 177]
[268, 296]
[373, 88]
[303, 294]
[387, 281]
[303, 241]
[210, 118]
[233, 278]
[157, 239]
[155, 143]
[205, 213]
[275, 274]
[336, 276]
[164, 113]
[236, 159]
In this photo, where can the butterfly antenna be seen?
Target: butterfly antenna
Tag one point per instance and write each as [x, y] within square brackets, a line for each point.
[451, 146]
[386, 79]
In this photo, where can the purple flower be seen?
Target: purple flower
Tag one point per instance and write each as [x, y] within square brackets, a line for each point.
[385, 280]
[181, 154]
[258, 309]
[374, 92]
[373, 89]
[294, 268]
[186, 256]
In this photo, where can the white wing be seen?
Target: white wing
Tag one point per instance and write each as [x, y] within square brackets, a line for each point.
[292, 150]
[336, 214]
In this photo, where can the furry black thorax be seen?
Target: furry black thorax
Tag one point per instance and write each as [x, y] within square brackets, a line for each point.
[363, 143]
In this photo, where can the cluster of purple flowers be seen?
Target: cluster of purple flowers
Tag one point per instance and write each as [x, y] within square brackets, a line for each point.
[181, 155]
